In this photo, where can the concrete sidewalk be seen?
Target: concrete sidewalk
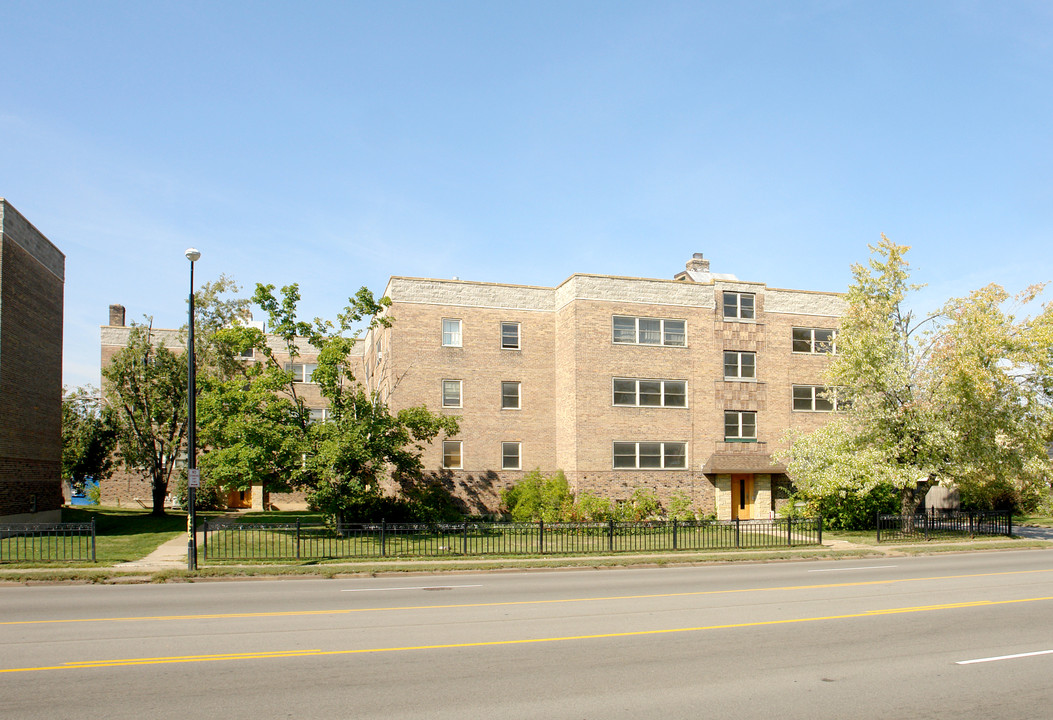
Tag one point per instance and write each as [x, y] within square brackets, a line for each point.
[171, 555]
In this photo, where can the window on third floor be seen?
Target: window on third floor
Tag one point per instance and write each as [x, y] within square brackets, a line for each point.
[649, 331]
[739, 306]
[451, 332]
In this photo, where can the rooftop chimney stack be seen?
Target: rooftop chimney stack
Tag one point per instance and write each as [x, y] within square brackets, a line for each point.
[698, 264]
[117, 315]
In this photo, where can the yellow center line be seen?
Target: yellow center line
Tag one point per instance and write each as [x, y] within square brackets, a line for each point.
[274, 654]
[347, 611]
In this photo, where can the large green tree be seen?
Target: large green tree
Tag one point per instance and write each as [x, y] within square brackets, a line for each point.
[88, 436]
[146, 384]
[961, 395]
[259, 427]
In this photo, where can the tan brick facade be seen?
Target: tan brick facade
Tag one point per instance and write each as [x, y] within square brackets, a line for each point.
[567, 363]
[32, 273]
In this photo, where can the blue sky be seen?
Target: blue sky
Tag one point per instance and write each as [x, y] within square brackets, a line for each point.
[335, 144]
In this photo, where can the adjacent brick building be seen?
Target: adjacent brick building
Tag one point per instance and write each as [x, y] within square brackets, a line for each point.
[684, 386]
[32, 272]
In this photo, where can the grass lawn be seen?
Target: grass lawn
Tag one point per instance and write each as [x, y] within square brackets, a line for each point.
[121, 534]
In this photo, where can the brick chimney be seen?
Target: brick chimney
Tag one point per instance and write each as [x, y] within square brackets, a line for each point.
[117, 315]
[698, 264]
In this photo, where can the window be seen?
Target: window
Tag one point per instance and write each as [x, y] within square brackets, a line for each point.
[318, 414]
[740, 365]
[817, 398]
[451, 393]
[650, 455]
[629, 392]
[509, 336]
[649, 331]
[814, 340]
[739, 305]
[301, 372]
[740, 426]
[451, 454]
[510, 396]
[249, 354]
[510, 456]
[451, 332]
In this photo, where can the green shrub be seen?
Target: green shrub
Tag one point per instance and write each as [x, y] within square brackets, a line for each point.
[846, 510]
[209, 496]
[94, 493]
[538, 497]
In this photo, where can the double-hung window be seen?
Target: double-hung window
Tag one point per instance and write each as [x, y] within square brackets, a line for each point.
[451, 455]
[649, 331]
[511, 456]
[301, 372]
[740, 365]
[814, 340]
[451, 332]
[510, 395]
[650, 455]
[451, 393]
[739, 306]
[740, 426]
[630, 392]
[510, 335]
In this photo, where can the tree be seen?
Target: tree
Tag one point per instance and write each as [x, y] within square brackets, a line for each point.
[147, 388]
[259, 426]
[960, 396]
[88, 436]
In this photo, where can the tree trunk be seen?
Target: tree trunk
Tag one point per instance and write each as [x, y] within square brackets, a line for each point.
[160, 491]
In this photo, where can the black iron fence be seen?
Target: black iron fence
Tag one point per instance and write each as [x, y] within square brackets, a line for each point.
[937, 524]
[274, 541]
[47, 542]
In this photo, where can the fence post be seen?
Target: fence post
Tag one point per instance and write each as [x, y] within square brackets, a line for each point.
[737, 521]
[820, 529]
[298, 538]
[610, 536]
[789, 530]
[1009, 518]
[93, 539]
[204, 537]
[926, 526]
[383, 538]
[464, 547]
[540, 537]
[674, 533]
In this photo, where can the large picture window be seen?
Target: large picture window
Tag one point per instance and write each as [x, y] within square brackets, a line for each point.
[814, 340]
[740, 426]
[649, 331]
[740, 365]
[650, 455]
[630, 392]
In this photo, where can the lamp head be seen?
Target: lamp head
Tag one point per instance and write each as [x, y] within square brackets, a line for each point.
[193, 254]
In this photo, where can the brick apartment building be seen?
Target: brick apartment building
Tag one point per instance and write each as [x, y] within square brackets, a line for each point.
[32, 272]
[681, 386]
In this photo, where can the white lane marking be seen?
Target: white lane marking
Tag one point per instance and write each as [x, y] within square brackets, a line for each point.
[1004, 657]
[418, 587]
[871, 567]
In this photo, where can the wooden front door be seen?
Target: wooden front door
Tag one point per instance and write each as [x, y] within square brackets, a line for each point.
[741, 497]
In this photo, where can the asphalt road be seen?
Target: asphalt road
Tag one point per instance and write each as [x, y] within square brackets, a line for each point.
[956, 636]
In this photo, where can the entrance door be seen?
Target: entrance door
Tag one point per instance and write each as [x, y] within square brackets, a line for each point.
[741, 497]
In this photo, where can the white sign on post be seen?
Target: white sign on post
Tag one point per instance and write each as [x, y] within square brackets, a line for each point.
[194, 478]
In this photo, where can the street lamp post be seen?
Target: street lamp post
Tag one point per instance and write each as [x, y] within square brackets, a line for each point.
[192, 475]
